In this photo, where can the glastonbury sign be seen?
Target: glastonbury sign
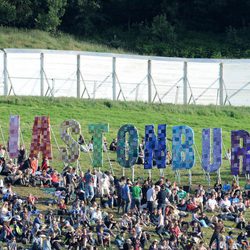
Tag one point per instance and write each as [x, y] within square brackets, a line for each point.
[155, 148]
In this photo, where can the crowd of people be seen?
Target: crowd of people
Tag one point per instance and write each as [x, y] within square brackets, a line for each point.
[96, 210]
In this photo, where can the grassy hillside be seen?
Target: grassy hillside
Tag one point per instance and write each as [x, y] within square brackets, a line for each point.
[36, 39]
[189, 44]
[120, 113]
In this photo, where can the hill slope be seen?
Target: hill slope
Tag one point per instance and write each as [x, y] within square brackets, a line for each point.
[118, 114]
[36, 39]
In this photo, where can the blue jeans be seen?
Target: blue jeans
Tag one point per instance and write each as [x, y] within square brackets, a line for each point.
[162, 207]
[203, 223]
[215, 237]
[150, 206]
[125, 205]
[136, 203]
[89, 192]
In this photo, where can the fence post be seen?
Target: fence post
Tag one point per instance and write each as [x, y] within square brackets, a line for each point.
[5, 74]
[149, 82]
[221, 84]
[94, 91]
[78, 77]
[185, 83]
[42, 74]
[114, 77]
[53, 87]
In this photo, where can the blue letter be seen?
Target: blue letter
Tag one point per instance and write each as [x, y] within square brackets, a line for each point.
[237, 151]
[183, 154]
[155, 149]
[217, 145]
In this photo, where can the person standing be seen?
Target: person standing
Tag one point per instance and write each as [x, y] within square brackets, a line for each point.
[218, 229]
[89, 186]
[136, 196]
[21, 155]
[126, 196]
[119, 185]
[151, 195]
[162, 199]
[69, 182]
[95, 183]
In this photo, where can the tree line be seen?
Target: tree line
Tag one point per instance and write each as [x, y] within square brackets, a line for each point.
[189, 28]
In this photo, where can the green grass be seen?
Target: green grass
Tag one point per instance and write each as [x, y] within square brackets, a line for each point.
[120, 113]
[36, 39]
[117, 114]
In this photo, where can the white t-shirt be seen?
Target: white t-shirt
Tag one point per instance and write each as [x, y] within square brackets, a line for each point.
[212, 203]
[95, 180]
[225, 203]
[151, 194]
[96, 215]
[105, 181]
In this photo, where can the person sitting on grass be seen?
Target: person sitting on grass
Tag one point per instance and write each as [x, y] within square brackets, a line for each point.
[62, 208]
[212, 204]
[154, 245]
[103, 237]
[45, 179]
[120, 240]
[225, 205]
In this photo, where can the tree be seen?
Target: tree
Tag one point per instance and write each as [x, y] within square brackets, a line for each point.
[82, 17]
[7, 13]
[50, 14]
[162, 30]
[23, 13]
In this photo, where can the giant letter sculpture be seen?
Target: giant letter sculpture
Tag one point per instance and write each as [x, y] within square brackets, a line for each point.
[217, 148]
[41, 140]
[70, 153]
[183, 154]
[14, 136]
[97, 130]
[155, 148]
[127, 152]
[237, 151]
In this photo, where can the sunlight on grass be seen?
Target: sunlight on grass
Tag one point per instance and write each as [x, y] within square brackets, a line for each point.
[18, 38]
[120, 113]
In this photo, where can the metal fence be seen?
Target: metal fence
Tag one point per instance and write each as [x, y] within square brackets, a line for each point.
[124, 77]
